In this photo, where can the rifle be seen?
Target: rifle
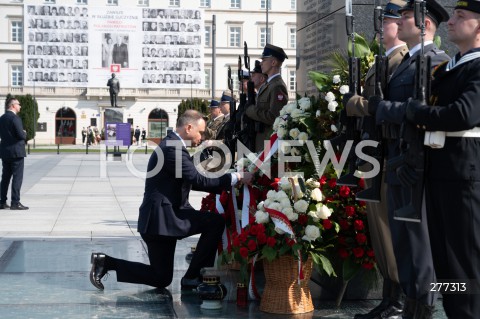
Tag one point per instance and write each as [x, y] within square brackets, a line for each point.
[230, 132]
[411, 143]
[372, 131]
[351, 133]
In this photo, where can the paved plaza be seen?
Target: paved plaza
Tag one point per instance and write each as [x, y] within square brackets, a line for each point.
[81, 203]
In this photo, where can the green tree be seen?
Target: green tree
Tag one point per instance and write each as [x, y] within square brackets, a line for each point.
[28, 113]
[197, 104]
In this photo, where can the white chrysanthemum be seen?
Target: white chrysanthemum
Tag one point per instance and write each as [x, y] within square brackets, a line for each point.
[333, 128]
[281, 132]
[304, 103]
[312, 183]
[323, 211]
[267, 202]
[311, 233]
[301, 206]
[261, 217]
[288, 108]
[291, 215]
[281, 194]
[318, 113]
[332, 106]
[260, 205]
[271, 194]
[297, 113]
[294, 133]
[344, 89]
[302, 137]
[275, 206]
[317, 195]
[295, 151]
[287, 210]
[330, 97]
[336, 79]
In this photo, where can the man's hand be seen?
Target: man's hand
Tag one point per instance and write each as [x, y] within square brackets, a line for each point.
[346, 98]
[413, 107]
[245, 178]
[373, 103]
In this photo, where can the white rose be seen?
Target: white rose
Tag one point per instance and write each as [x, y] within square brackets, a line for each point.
[301, 206]
[291, 215]
[285, 147]
[297, 113]
[330, 97]
[333, 128]
[281, 132]
[288, 108]
[295, 151]
[312, 183]
[261, 217]
[311, 233]
[323, 211]
[281, 194]
[302, 137]
[294, 133]
[336, 79]
[260, 205]
[317, 195]
[318, 113]
[304, 103]
[344, 89]
[313, 214]
[332, 106]
[267, 202]
[271, 194]
[287, 210]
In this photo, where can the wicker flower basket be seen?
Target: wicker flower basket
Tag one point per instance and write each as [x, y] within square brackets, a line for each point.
[282, 293]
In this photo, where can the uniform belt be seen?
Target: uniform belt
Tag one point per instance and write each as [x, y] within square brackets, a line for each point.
[437, 139]
[474, 132]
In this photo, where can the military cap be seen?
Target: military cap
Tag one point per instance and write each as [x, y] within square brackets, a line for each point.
[392, 7]
[274, 51]
[214, 103]
[257, 68]
[434, 10]
[226, 97]
[470, 5]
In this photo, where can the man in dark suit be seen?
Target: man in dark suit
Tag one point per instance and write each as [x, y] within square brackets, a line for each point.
[12, 152]
[166, 216]
[120, 52]
[411, 242]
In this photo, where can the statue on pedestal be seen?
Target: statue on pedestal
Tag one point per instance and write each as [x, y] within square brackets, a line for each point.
[114, 85]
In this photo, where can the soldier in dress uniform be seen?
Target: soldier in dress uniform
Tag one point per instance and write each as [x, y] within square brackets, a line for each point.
[452, 183]
[271, 97]
[216, 118]
[377, 213]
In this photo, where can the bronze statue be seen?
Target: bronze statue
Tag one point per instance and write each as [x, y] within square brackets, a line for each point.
[114, 85]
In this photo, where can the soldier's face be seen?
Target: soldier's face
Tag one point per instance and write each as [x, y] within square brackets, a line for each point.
[462, 27]
[390, 30]
[407, 31]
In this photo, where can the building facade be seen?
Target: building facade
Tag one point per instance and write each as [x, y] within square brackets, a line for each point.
[70, 86]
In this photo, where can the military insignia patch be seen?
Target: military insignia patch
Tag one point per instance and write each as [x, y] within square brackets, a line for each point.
[280, 97]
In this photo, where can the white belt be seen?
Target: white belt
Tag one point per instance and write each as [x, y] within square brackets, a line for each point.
[474, 132]
[437, 139]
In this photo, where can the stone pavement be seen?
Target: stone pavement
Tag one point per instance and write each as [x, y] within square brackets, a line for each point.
[83, 203]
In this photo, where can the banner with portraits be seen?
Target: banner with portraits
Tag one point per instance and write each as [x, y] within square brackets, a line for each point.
[80, 46]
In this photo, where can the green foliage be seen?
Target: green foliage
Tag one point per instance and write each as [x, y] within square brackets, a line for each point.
[195, 104]
[28, 113]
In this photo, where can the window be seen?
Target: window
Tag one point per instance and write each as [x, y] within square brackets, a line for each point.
[292, 38]
[234, 36]
[205, 3]
[292, 80]
[234, 4]
[235, 83]
[263, 36]
[82, 1]
[207, 78]
[17, 75]
[175, 3]
[208, 32]
[143, 3]
[112, 2]
[49, 1]
[263, 4]
[293, 4]
[17, 31]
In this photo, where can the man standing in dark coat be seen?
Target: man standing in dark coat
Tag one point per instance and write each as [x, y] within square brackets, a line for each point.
[166, 215]
[136, 133]
[410, 240]
[453, 169]
[120, 53]
[12, 152]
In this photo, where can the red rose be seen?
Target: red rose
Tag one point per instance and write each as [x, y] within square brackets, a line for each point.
[328, 200]
[370, 253]
[344, 191]
[260, 228]
[368, 266]
[323, 180]
[362, 203]
[358, 224]
[289, 242]
[244, 252]
[302, 219]
[342, 240]
[349, 211]
[358, 252]
[236, 242]
[360, 238]
[261, 238]
[327, 223]
[271, 241]
[332, 183]
[252, 245]
[344, 224]
[342, 252]
[242, 237]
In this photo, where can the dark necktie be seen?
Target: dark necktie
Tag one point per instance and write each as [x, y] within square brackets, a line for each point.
[406, 57]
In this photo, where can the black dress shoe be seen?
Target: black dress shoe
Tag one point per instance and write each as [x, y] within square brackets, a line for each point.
[190, 284]
[392, 311]
[164, 294]
[98, 270]
[375, 312]
[4, 206]
[18, 206]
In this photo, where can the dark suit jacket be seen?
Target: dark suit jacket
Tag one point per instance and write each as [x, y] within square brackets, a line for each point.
[165, 193]
[13, 137]
[120, 54]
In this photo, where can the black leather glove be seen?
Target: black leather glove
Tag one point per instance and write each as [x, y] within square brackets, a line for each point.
[373, 103]
[346, 98]
[407, 175]
[413, 107]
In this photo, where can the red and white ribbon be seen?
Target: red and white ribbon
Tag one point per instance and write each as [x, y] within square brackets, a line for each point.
[238, 227]
[221, 211]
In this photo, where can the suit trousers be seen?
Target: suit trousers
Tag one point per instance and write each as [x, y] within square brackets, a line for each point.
[454, 223]
[113, 99]
[12, 168]
[161, 251]
[411, 244]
